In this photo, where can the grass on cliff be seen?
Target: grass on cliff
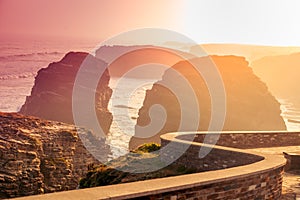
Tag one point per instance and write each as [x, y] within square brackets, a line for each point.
[126, 168]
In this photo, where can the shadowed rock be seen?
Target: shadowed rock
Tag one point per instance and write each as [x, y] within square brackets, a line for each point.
[51, 95]
[249, 104]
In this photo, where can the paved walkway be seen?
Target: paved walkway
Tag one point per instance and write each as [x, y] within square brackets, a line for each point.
[291, 179]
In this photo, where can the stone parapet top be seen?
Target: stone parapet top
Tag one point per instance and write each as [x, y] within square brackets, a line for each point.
[170, 184]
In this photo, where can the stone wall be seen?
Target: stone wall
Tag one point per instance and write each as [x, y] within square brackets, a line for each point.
[217, 158]
[264, 185]
[260, 186]
[253, 176]
[248, 140]
[293, 161]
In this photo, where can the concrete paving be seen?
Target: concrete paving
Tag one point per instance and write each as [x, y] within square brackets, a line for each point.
[291, 179]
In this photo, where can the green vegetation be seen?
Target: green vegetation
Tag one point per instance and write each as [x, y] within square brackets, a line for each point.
[147, 148]
[125, 168]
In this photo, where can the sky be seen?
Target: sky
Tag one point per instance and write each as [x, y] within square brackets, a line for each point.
[261, 22]
[83, 18]
[265, 22]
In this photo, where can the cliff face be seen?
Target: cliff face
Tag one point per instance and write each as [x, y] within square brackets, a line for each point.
[250, 106]
[281, 74]
[39, 156]
[51, 95]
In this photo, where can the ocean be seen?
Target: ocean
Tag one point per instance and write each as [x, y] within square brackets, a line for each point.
[21, 60]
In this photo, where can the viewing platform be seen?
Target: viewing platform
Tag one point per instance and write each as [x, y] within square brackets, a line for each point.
[242, 165]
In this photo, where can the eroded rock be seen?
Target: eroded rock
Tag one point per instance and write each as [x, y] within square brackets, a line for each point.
[39, 156]
[51, 95]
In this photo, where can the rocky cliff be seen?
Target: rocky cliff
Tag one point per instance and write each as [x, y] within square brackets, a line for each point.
[51, 95]
[40, 156]
[281, 74]
[250, 106]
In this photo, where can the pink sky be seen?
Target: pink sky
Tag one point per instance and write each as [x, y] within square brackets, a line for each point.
[268, 22]
[84, 19]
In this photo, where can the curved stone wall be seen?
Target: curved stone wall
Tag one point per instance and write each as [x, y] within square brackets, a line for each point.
[250, 139]
[259, 177]
[186, 153]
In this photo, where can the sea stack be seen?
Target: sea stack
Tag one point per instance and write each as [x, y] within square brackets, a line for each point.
[249, 104]
[51, 95]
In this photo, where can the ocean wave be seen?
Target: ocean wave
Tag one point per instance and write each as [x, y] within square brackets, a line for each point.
[5, 48]
[22, 56]
[17, 76]
[123, 106]
[293, 121]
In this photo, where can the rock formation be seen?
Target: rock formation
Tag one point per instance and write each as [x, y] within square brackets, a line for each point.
[122, 59]
[250, 106]
[250, 52]
[39, 156]
[51, 95]
[281, 74]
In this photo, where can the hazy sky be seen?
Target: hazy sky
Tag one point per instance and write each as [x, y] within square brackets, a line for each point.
[270, 22]
[84, 18]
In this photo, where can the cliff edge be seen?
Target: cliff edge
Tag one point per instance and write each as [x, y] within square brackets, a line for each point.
[39, 156]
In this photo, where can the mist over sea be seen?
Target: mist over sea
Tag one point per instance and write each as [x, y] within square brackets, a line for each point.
[21, 60]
